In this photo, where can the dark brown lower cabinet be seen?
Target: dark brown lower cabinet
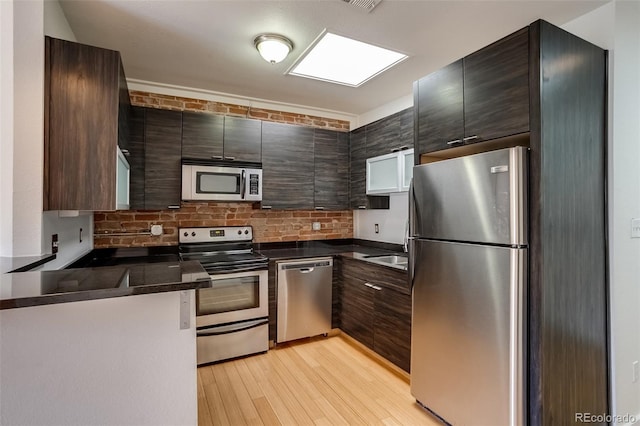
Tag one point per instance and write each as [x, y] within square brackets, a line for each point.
[376, 309]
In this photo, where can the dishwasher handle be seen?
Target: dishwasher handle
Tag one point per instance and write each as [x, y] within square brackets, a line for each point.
[304, 267]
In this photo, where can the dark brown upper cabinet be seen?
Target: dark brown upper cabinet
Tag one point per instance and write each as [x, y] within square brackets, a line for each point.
[162, 145]
[242, 139]
[496, 89]
[358, 169]
[331, 165]
[439, 109]
[136, 158]
[216, 137]
[86, 116]
[202, 135]
[390, 134]
[481, 97]
[288, 166]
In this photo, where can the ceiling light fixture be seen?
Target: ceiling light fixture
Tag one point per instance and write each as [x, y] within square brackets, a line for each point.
[273, 47]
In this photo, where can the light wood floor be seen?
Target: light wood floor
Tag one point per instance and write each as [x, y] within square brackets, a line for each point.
[322, 381]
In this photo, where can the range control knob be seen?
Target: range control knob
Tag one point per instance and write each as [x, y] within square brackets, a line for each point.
[239, 232]
[246, 232]
[186, 234]
[193, 234]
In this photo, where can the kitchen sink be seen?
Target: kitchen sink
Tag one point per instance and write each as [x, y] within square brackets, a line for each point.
[391, 260]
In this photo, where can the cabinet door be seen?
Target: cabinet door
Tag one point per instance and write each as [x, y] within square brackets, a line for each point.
[392, 327]
[81, 126]
[357, 310]
[438, 99]
[382, 136]
[287, 166]
[202, 135]
[496, 89]
[331, 164]
[136, 158]
[358, 167]
[242, 139]
[163, 136]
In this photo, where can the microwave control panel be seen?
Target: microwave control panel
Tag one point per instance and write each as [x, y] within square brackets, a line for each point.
[254, 184]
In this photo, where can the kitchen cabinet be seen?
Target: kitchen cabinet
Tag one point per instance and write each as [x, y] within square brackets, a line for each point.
[216, 137]
[438, 105]
[287, 161]
[358, 161]
[390, 172]
[376, 309]
[242, 139]
[202, 135]
[481, 97]
[331, 169]
[390, 134]
[162, 174]
[136, 158]
[86, 116]
[496, 89]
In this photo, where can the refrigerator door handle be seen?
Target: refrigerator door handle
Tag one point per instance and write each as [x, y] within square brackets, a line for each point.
[411, 247]
[517, 316]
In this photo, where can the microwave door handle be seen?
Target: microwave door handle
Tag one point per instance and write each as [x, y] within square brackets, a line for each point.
[243, 183]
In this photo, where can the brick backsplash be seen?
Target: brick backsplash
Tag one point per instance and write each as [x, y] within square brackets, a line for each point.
[177, 103]
[268, 225]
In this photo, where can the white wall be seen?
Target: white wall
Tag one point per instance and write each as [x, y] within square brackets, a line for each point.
[24, 229]
[391, 223]
[121, 361]
[615, 26]
[6, 128]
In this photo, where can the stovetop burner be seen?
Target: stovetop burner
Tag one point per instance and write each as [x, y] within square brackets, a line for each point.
[221, 249]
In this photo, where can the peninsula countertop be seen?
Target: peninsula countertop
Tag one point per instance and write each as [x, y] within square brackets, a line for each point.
[23, 289]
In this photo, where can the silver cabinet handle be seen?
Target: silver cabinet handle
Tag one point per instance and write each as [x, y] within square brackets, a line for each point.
[470, 138]
[125, 152]
[217, 157]
[267, 207]
[401, 148]
[319, 208]
[230, 158]
[362, 207]
[375, 287]
[173, 207]
[454, 142]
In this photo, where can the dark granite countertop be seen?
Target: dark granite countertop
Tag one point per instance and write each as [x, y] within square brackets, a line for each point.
[22, 289]
[349, 248]
[23, 263]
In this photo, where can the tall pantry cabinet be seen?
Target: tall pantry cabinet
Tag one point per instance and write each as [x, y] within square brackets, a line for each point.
[544, 88]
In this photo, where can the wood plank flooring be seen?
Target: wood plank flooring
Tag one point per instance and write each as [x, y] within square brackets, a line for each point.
[321, 381]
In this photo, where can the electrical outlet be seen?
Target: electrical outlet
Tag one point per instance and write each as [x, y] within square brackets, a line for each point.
[377, 228]
[315, 226]
[635, 228]
[636, 371]
[54, 243]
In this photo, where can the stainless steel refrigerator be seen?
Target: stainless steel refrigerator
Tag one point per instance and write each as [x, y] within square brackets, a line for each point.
[468, 268]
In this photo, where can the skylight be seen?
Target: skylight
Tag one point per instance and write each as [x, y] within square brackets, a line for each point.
[342, 60]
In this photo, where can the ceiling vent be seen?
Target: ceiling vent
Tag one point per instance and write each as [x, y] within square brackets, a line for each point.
[367, 5]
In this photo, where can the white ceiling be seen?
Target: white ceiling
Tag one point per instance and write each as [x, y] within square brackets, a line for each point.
[209, 44]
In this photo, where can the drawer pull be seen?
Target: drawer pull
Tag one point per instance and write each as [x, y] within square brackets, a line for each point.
[454, 142]
[470, 138]
[375, 287]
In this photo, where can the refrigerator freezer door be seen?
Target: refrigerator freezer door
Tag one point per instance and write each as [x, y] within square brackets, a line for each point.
[478, 198]
[467, 332]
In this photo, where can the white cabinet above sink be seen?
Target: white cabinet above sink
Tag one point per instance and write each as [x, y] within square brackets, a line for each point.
[390, 172]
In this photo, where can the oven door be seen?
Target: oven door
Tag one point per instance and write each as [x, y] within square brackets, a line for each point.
[233, 297]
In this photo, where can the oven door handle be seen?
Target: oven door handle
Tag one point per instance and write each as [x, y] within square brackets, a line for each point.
[239, 269]
[232, 328]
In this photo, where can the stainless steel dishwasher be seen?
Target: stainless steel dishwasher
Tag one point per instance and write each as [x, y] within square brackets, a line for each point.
[304, 298]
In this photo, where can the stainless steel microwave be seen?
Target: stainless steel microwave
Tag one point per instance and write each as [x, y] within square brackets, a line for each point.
[221, 182]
